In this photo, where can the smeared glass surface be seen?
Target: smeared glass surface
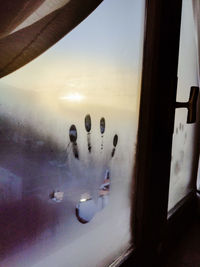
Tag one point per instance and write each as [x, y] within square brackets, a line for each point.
[68, 126]
[88, 123]
[102, 125]
[87, 207]
[183, 139]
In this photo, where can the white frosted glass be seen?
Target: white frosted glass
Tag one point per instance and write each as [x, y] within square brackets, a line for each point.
[59, 172]
[183, 137]
[196, 8]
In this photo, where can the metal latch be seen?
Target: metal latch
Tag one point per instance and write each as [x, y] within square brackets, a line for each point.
[191, 105]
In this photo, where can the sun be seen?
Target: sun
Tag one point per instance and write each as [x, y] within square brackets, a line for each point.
[73, 97]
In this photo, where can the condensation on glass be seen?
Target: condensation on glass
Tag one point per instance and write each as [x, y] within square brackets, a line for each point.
[196, 7]
[183, 138]
[68, 133]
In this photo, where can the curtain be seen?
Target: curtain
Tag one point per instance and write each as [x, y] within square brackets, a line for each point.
[30, 27]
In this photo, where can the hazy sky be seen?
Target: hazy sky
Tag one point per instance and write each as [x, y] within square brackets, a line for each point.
[102, 53]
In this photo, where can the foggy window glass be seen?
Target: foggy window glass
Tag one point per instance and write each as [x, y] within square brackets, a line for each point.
[183, 138]
[68, 126]
[197, 24]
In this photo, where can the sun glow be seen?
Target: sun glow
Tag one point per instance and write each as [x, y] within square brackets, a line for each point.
[74, 97]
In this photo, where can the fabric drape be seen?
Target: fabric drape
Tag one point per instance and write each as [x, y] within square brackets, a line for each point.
[30, 27]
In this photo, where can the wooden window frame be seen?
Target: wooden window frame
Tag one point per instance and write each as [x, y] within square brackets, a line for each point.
[151, 229]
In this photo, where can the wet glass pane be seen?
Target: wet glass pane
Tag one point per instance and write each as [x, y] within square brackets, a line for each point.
[183, 138]
[197, 24]
[68, 125]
